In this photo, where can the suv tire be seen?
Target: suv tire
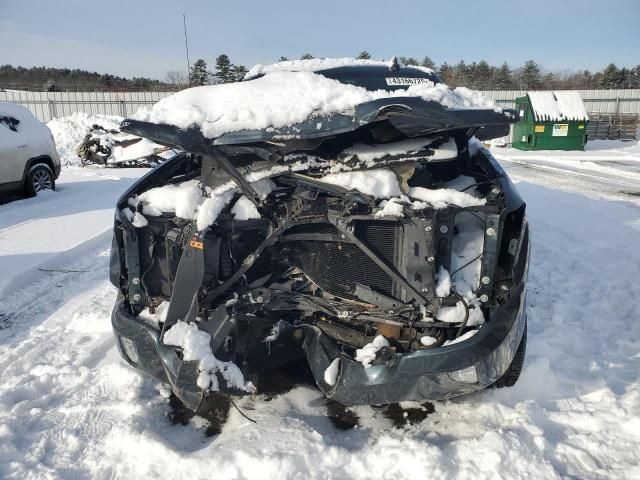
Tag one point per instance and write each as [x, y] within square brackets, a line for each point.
[512, 374]
[40, 177]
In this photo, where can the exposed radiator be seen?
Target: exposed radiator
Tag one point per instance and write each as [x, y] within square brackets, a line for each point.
[338, 267]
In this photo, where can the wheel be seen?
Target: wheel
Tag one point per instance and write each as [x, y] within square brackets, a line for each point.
[512, 374]
[39, 178]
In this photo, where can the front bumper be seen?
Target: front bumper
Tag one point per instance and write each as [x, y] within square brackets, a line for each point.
[424, 374]
[155, 358]
[421, 375]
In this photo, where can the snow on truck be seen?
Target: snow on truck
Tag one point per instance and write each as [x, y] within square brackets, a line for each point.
[339, 212]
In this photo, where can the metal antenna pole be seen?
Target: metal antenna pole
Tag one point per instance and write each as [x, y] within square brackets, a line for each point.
[186, 46]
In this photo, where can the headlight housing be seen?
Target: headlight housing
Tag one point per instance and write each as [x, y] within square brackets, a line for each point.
[130, 350]
[466, 375]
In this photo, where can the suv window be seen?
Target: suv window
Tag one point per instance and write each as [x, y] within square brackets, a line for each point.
[10, 122]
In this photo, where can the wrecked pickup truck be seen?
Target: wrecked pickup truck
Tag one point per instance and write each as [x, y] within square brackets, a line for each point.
[348, 217]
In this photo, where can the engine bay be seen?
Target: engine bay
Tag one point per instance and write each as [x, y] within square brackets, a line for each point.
[406, 251]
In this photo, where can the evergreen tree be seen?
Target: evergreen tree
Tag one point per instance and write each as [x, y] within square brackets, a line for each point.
[471, 79]
[460, 74]
[635, 77]
[482, 76]
[238, 72]
[502, 78]
[530, 76]
[625, 80]
[364, 55]
[283, 59]
[595, 82]
[427, 62]
[224, 69]
[306, 56]
[610, 77]
[199, 73]
[408, 61]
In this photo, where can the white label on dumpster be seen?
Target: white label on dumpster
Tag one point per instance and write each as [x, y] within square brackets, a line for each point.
[560, 130]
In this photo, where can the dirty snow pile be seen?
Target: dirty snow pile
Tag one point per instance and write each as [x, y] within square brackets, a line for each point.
[283, 99]
[69, 131]
[196, 346]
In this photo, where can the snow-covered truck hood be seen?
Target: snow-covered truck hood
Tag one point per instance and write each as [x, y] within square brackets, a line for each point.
[284, 106]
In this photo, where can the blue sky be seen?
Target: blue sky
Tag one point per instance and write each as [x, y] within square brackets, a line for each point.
[145, 38]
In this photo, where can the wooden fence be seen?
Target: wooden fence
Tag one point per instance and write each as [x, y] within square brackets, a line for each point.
[611, 126]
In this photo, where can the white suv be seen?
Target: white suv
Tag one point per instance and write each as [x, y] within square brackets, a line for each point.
[29, 161]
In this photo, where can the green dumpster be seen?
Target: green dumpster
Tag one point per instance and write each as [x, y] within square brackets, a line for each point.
[551, 121]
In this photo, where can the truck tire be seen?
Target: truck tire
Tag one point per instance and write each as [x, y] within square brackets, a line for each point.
[512, 374]
[40, 177]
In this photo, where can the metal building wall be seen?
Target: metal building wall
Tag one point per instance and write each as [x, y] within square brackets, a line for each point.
[48, 105]
[599, 101]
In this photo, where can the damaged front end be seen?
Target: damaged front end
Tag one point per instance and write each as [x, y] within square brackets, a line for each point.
[390, 251]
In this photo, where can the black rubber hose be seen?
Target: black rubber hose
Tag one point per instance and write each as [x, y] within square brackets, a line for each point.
[466, 314]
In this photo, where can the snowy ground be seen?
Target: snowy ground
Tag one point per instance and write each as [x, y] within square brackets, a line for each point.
[70, 408]
[608, 169]
[44, 231]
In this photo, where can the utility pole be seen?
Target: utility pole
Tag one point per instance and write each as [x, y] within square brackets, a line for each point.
[186, 46]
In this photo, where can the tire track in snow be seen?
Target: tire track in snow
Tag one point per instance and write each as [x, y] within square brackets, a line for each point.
[35, 301]
[596, 185]
[64, 387]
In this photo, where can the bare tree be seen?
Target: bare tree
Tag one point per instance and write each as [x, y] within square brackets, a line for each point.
[176, 77]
